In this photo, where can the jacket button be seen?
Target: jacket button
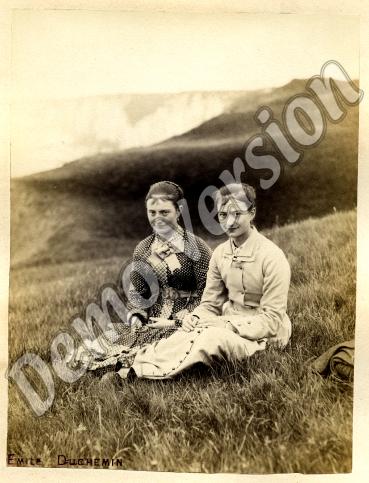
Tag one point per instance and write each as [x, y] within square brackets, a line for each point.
[187, 352]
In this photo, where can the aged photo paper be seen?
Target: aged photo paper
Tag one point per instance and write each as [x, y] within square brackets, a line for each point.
[184, 240]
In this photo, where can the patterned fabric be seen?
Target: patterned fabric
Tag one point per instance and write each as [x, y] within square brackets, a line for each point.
[124, 349]
[180, 270]
[178, 267]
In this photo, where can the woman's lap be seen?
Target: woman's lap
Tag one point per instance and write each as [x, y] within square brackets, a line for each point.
[132, 341]
[182, 350]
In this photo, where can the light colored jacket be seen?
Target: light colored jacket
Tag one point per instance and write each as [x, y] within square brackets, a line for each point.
[249, 286]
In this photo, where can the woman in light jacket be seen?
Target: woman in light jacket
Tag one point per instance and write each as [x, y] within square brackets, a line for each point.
[243, 307]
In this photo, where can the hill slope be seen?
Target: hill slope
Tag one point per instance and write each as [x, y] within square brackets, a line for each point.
[49, 133]
[269, 414]
[87, 208]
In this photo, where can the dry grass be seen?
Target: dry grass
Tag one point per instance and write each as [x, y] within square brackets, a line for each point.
[267, 414]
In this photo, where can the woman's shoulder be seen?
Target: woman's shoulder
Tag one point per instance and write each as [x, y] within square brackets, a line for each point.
[142, 247]
[198, 241]
[270, 249]
[221, 248]
[196, 248]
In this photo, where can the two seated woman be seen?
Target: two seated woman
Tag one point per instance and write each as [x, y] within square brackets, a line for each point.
[242, 307]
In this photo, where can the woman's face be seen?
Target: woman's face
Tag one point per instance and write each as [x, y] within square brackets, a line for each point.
[162, 215]
[235, 219]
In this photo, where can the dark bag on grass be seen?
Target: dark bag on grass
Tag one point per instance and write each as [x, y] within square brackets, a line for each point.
[337, 362]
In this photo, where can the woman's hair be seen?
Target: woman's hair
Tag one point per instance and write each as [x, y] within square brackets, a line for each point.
[236, 191]
[166, 190]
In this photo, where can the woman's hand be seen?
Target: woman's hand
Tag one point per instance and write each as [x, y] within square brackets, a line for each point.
[135, 323]
[189, 322]
[160, 323]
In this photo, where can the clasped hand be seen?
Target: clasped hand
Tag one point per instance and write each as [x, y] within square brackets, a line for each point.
[189, 322]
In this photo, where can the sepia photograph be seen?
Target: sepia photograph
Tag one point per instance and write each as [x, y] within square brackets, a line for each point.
[183, 232]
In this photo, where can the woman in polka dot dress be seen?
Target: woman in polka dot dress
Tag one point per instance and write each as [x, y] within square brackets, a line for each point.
[166, 282]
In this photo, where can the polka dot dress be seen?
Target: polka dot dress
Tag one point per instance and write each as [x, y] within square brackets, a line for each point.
[188, 276]
[181, 275]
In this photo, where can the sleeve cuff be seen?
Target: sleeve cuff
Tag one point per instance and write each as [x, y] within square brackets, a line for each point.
[249, 328]
[141, 314]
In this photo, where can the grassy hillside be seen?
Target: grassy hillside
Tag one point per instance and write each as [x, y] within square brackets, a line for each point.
[268, 414]
[86, 208]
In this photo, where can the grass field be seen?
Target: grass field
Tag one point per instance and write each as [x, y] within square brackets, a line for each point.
[267, 414]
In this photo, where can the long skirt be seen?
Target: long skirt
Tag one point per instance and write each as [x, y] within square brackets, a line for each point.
[182, 350]
[112, 353]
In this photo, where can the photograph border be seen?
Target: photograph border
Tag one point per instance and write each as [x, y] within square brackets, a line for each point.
[361, 386]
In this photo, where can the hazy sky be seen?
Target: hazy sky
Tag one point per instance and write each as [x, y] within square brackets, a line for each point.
[72, 53]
